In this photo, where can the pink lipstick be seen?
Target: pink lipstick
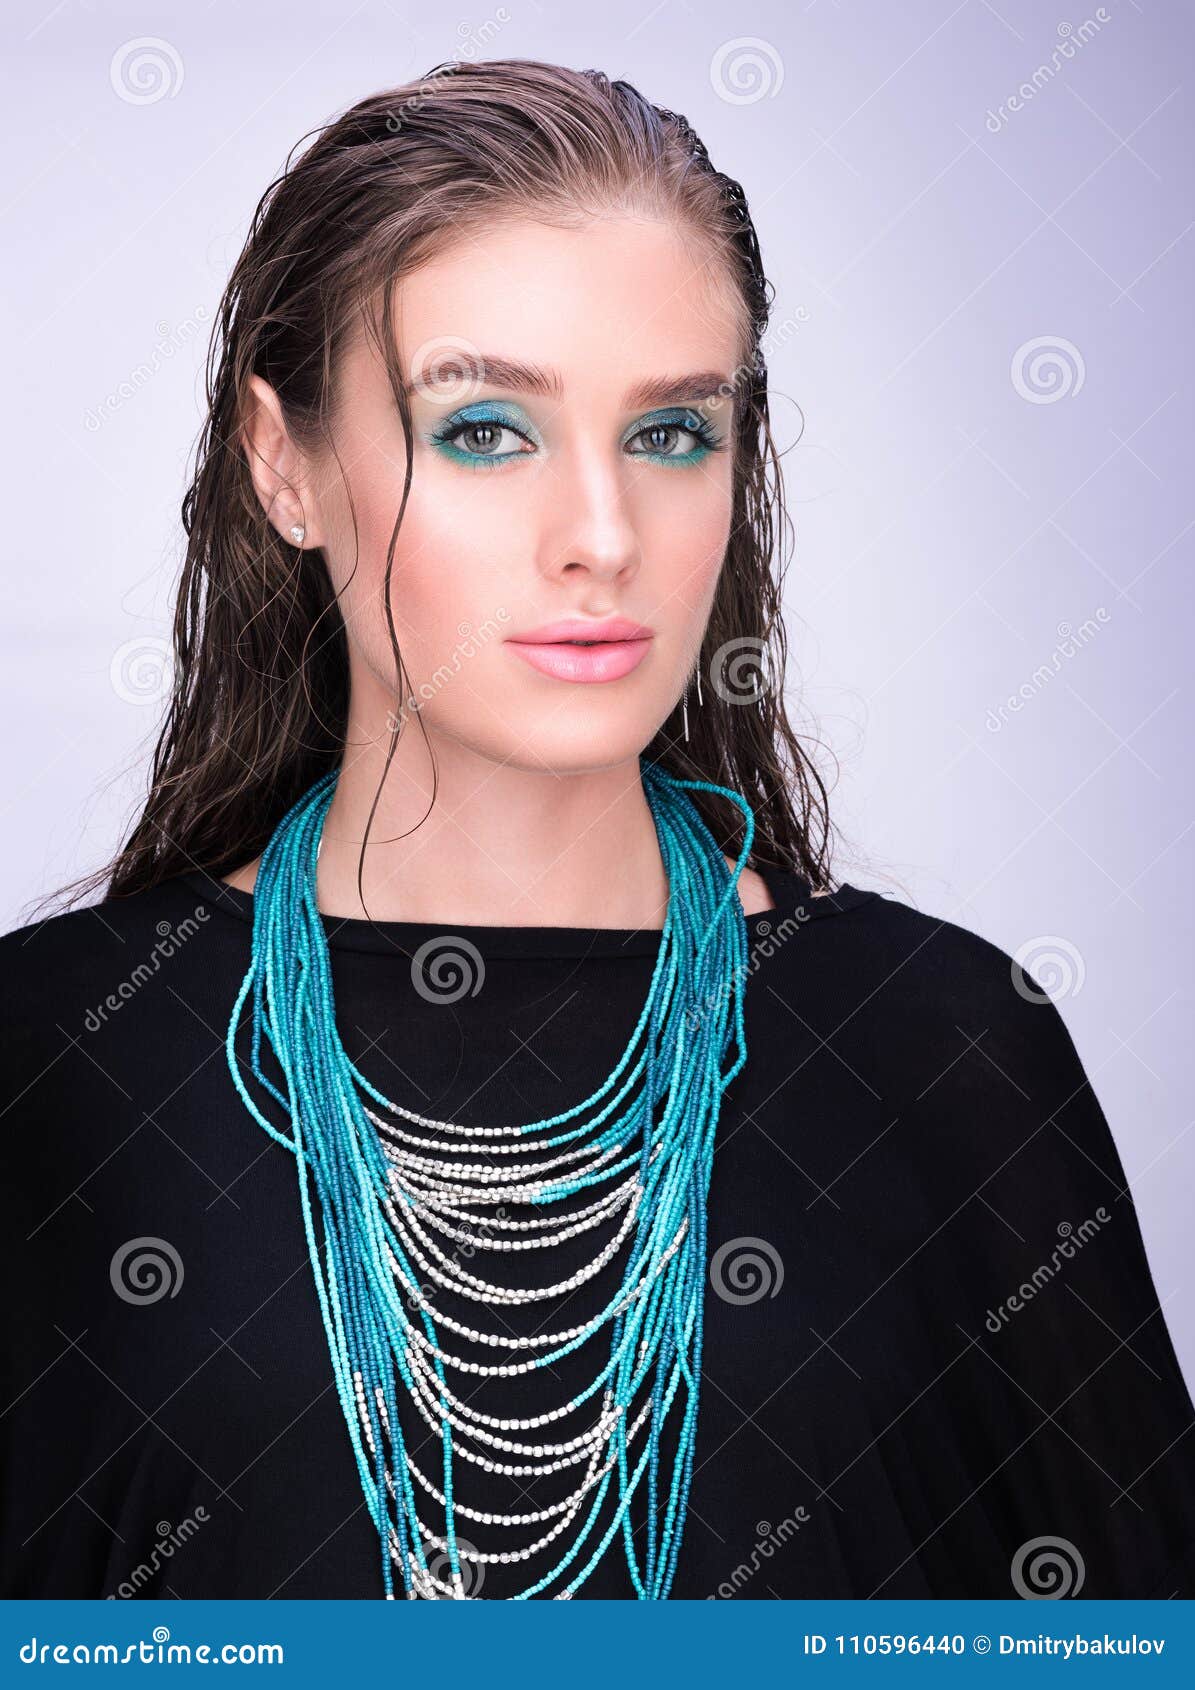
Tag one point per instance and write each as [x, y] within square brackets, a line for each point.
[581, 650]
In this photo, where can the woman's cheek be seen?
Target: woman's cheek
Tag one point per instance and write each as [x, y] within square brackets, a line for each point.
[449, 572]
[683, 559]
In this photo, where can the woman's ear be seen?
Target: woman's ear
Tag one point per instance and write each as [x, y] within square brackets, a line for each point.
[278, 467]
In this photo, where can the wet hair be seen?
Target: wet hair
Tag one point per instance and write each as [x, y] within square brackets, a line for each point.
[260, 682]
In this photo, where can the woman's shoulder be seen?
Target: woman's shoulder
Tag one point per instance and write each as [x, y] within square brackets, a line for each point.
[919, 998]
[95, 931]
[63, 974]
[928, 947]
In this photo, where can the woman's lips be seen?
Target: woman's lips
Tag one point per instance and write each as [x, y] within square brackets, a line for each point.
[606, 661]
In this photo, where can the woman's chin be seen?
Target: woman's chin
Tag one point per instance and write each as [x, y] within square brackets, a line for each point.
[576, 742]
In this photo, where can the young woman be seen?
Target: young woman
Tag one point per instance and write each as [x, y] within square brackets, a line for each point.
[473, 1148]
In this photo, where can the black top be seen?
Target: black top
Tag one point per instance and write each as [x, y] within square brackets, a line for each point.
[931, 1336]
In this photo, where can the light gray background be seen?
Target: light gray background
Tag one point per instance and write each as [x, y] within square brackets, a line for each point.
[958, 514]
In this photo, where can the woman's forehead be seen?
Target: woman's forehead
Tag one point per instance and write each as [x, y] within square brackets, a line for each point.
[615, 288]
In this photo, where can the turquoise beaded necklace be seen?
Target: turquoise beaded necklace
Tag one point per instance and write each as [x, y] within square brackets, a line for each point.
[380, 1202]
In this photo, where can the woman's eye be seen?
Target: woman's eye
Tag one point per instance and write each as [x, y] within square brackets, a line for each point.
[672, 440]
[485, 439]
[488, 441]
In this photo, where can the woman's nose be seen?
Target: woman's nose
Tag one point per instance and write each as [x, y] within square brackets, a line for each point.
[588, 519]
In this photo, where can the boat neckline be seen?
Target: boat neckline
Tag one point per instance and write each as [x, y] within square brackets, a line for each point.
[790, 891]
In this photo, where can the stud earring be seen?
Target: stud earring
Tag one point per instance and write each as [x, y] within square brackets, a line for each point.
[298, 533]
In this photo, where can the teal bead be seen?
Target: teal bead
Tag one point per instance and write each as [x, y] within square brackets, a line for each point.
[691, 1024]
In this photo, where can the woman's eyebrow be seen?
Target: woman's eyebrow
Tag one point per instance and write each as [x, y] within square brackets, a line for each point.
[531, 378]
[678, 390]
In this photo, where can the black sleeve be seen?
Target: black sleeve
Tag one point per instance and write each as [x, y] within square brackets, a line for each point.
[1078, 1428]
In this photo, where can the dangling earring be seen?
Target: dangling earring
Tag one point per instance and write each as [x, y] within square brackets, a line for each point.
[298, 533]
[685, 700]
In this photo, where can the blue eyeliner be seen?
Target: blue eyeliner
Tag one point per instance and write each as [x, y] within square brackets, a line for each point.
[689, 422]
[482, 414]
[491, 414]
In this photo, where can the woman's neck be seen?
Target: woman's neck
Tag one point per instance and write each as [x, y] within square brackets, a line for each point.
[500, 845]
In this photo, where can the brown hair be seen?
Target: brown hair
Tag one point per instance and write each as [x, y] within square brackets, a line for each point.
[260, 685]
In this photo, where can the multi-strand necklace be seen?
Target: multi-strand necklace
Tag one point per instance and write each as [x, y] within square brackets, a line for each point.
[397, 1189]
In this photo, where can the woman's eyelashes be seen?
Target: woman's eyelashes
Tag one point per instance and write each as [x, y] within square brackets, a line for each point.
[482, 436]
[487, 436]
[665, 435]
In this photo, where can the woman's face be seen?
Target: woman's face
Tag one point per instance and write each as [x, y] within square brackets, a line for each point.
[572, 460]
